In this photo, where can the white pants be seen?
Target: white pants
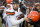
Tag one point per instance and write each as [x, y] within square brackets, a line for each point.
[9, 24]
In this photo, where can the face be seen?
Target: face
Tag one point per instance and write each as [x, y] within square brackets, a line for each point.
[15, 6]
[38, 7]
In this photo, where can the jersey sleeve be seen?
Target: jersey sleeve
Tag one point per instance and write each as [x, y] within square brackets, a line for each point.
[15, 22]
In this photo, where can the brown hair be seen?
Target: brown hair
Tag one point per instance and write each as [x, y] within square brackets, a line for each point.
[37, 5]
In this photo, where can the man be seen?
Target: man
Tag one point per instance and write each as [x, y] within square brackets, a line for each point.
[17, 10]
[4, 12]
[12, 18]
[36, 8]
[24, 11]
[36, 24]
[1, 13]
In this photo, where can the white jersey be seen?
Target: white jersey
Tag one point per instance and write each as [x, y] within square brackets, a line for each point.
[19, 10]
[4, 11]
[4, 14]
[12, 20]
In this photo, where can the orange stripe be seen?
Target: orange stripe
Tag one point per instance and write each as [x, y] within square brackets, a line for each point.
[18, 18]
[10, 13]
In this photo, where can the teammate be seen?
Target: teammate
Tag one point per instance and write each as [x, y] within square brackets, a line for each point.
[12, 19]
[4, 12]
[37, 24]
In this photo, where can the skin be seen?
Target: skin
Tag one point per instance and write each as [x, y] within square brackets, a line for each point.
[37, 7]
[15, 6]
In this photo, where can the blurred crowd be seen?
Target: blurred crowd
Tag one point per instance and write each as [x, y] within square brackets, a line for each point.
[24, 6]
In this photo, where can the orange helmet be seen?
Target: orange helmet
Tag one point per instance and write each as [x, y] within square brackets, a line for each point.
[34, 16]
[39, 14]
[8, 1]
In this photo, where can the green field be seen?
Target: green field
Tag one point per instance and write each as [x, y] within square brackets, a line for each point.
[0, 23]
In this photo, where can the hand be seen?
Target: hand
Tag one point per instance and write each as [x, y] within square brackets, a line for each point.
[26, 19]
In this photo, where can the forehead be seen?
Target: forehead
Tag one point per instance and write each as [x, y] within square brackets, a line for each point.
[15, 4]
[38, 6]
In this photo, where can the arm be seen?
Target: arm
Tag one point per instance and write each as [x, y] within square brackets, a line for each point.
[15, 22]
[4, 16]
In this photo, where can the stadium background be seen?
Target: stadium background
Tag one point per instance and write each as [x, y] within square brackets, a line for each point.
[30, 2]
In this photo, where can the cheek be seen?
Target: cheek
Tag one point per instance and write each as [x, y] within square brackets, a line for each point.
[37, 7]
[13, 7]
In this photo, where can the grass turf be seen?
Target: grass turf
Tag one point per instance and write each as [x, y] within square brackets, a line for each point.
[0, 23]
